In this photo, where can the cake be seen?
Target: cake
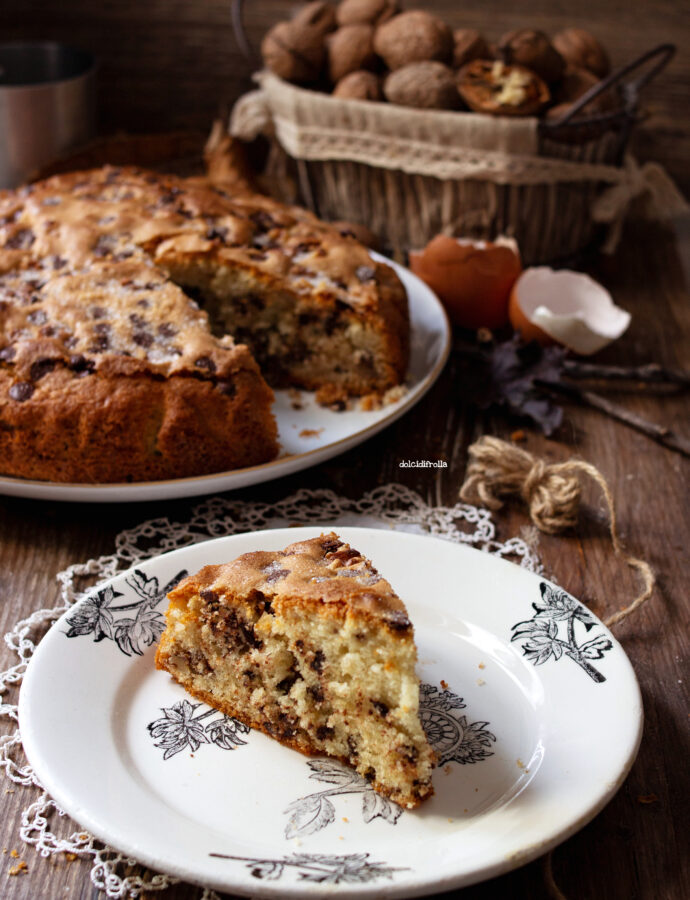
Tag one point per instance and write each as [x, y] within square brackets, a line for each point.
[143, 318]
[313, 647]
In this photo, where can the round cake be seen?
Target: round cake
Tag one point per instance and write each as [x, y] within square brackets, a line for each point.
[143, 318]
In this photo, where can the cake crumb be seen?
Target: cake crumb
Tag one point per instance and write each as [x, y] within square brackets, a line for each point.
[647, 798]
[520, 763]
[70, 857]
[465, 810]
[518, 437]
[444, 685]
[370, 402]
[19, 869]
[345, 819]
[446, 770]
[480, 682]
[450, 820]
[482, 666]
[333, 397]
[295, 399]
[9, 790]
[14, 854]
[310, 432]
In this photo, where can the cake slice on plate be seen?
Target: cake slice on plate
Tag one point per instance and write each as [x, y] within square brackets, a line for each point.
[312, 646]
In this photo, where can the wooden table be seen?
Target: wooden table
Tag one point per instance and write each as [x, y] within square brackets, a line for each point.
[633, 849]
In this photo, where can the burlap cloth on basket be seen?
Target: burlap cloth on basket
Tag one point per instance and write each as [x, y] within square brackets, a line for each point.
[315, 126]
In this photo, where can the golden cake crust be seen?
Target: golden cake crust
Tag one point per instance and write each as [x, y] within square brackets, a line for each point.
[316, 574]
[108, 370]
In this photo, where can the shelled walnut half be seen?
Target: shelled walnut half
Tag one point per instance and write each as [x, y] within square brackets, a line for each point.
[492, 87]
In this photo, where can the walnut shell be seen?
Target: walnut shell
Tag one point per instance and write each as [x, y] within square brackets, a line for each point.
[413, 36]
[293, 52]
[469, 45]
[581, 49]
[577, 82]
[425, 85]
[493, 87]
[359, 85]
[318, 15]
[533, 50]
[350, 48]
[367, 12]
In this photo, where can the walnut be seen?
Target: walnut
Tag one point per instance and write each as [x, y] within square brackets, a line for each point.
[574, 84]
[533, 50]
[350, 48]
[580, 48]
[359, 85]
[412, 37]
[317, 15]
[369, 12]
[469, 45]
[426, 85]
[493, 87]
[294, 52]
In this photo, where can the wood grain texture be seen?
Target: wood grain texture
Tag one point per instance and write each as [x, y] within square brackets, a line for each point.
[169, 64]
[630, 850]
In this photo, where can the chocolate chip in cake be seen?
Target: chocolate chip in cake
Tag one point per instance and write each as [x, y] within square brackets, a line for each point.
[81, 365]
[21, 390]
[323, 732]
[166, 330]
[284, 686]
[37, 317]
[58, 262]
[318, 662]
[365, 273]
[22, 239]
[352, 745]
[100, 342]
[142, 338]
[138, 320]
[370, 774]
[41, 367]
[397, 620]
[315, 691]
[98, 312]
[275, 575]
[8, 353]
[205, 362]
[217, 233]
[229, 388]
[331, 545]
[408, 752]
[208, 596]
[381, 708]
[262, 220]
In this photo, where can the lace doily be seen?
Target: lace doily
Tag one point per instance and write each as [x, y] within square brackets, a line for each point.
[43, 824]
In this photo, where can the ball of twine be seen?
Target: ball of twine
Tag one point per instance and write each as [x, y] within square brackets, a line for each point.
[552, 492]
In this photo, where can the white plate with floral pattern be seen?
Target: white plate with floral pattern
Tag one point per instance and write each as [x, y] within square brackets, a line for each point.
[308, 433]
[530, 702]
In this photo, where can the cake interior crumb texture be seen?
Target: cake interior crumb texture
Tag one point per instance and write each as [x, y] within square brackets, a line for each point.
[313, 647]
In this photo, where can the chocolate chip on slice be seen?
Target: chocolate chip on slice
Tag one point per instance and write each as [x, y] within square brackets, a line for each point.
[37, 317]
[100, 342]
[262, 220]
[165, 329]
[381, 708]
[81, 365]
[142, 338]
[205, 362]
[41, 367]
[22, 239]
[8, 353]
[217, 233]
[21, 390]
[365, 273]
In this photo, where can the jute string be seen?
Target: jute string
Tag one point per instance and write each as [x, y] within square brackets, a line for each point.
[552, 493]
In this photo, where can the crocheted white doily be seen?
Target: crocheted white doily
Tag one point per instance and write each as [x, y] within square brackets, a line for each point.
[391, 506]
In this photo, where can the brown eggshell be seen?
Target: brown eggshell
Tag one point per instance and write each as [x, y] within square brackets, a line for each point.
[472, 280]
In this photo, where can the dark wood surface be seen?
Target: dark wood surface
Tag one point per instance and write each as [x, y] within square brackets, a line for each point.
[632, 850]
[167, 64]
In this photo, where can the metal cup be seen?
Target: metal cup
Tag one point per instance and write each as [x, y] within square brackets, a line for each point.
[46, 105]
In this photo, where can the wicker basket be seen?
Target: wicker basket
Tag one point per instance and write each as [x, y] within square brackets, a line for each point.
[552, 219]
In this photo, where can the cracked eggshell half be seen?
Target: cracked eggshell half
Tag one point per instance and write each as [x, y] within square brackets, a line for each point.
[565, 307]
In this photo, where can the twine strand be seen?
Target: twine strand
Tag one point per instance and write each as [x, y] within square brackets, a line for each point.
[552, 493]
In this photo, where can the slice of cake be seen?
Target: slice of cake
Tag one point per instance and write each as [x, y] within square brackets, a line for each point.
[312, 646]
